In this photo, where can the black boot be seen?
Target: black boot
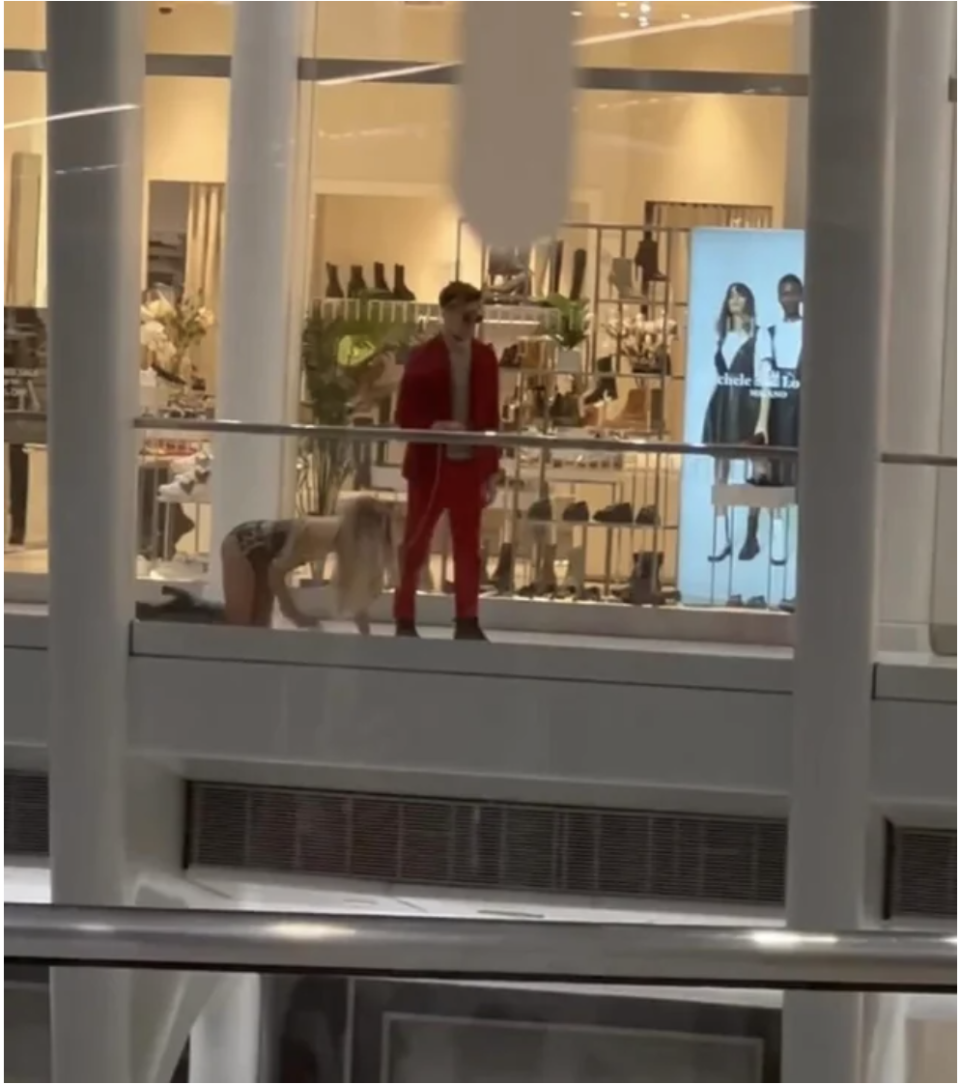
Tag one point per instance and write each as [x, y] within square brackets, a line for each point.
[579, 277]
[751, 547]
[357, 286]
[468, 628]
[334, 289]
[401, 291]
[556, 267]
[606, 386]
[407, 630]
[647, 260]
[380, 286]
[502, 578]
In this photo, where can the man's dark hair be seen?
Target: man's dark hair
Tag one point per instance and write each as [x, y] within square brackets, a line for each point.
[459, 293]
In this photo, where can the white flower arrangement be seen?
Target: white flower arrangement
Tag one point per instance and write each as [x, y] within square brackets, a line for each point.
[170, 329]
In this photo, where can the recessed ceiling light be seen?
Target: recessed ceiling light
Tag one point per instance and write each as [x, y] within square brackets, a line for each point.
[686, 15]
[624, 14]
[577, 13]
[645, 9]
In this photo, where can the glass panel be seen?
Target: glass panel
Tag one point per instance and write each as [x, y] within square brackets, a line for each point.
[690, 36]
[25, 290]
[338, 1027]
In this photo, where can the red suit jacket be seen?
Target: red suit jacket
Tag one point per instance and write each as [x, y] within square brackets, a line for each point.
[426, 397]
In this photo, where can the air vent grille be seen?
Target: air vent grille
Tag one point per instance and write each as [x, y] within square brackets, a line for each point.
[463, 844]
[25, 814]
[921, 873]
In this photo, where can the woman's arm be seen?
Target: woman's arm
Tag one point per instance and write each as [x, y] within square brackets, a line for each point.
[285, 564]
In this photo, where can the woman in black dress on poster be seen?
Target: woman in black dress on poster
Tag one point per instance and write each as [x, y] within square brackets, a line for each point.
[733, 411]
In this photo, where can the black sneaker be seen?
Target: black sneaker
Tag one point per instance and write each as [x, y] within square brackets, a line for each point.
[616, 514]
[407, 630]
[541, 511]
[577, 513]
[648, 516]
[469, 629]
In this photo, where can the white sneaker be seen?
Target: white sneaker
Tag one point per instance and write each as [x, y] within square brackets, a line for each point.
[197, 461]
[189, 488]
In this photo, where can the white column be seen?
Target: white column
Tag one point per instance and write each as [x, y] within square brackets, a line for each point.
[95, 56]
[254, 365]
[795, 185]
[925, 51]
[847, 276]
[944, 605]
[225, 1041]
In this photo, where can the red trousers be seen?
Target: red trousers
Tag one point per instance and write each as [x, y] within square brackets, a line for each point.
[458, 492]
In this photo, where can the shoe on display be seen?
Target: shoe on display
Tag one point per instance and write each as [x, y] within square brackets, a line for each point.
[647, 260]
[510, 358]
[556, 267]
[644, 586]
[750, 549]
[541, 511]
[189, 488]
[577, 513]
[502, 578]
[197, 461]
[334, 290]
[615, 515]
[357, 286]
[401, 291]
[758, 602]
[468, 628]
[407, 630]
[789, 606]
[579, 277]
[605, 389]
[381, 288]
[648, 516]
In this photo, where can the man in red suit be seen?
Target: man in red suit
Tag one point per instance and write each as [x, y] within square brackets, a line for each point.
[450, 383]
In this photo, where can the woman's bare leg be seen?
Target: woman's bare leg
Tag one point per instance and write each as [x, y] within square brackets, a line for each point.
[362, 620]
[239, 584]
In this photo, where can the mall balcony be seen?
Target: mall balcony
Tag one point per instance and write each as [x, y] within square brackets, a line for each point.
[691, 702]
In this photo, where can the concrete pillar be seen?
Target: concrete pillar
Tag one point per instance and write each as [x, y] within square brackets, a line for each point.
[847, 296]
[225, 1041]
[254, 367]
[943, 630]
[95, 56]
[924, 51]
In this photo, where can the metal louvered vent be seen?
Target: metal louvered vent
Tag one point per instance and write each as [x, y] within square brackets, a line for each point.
[921, 873]
[491, 845]
[25, 814]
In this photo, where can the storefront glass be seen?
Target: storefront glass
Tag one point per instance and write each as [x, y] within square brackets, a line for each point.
[680, 36]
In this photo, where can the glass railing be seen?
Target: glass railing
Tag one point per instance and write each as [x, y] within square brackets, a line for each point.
[355, 997]
[583, 533]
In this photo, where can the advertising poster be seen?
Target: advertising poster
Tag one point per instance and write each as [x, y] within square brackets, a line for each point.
[738, 519]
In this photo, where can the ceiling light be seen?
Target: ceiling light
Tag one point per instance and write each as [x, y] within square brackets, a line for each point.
[686, 16]
[577, 13]
[645, 9]
[624, 14]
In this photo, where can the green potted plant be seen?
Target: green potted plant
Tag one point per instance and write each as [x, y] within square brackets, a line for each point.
[569, 330]
[342, 358]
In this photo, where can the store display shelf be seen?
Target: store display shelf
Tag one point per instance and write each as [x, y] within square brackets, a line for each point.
[529, 314]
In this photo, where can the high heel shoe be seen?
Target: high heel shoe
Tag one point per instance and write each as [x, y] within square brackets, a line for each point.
[724, 555]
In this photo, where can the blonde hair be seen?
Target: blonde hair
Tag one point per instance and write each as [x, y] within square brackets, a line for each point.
[365, 551]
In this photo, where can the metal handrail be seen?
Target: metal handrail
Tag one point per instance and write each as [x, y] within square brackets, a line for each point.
[546, 441]
[519, 951]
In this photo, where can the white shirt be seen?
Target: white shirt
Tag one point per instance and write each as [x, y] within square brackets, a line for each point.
[786, 344]
[461, 360]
